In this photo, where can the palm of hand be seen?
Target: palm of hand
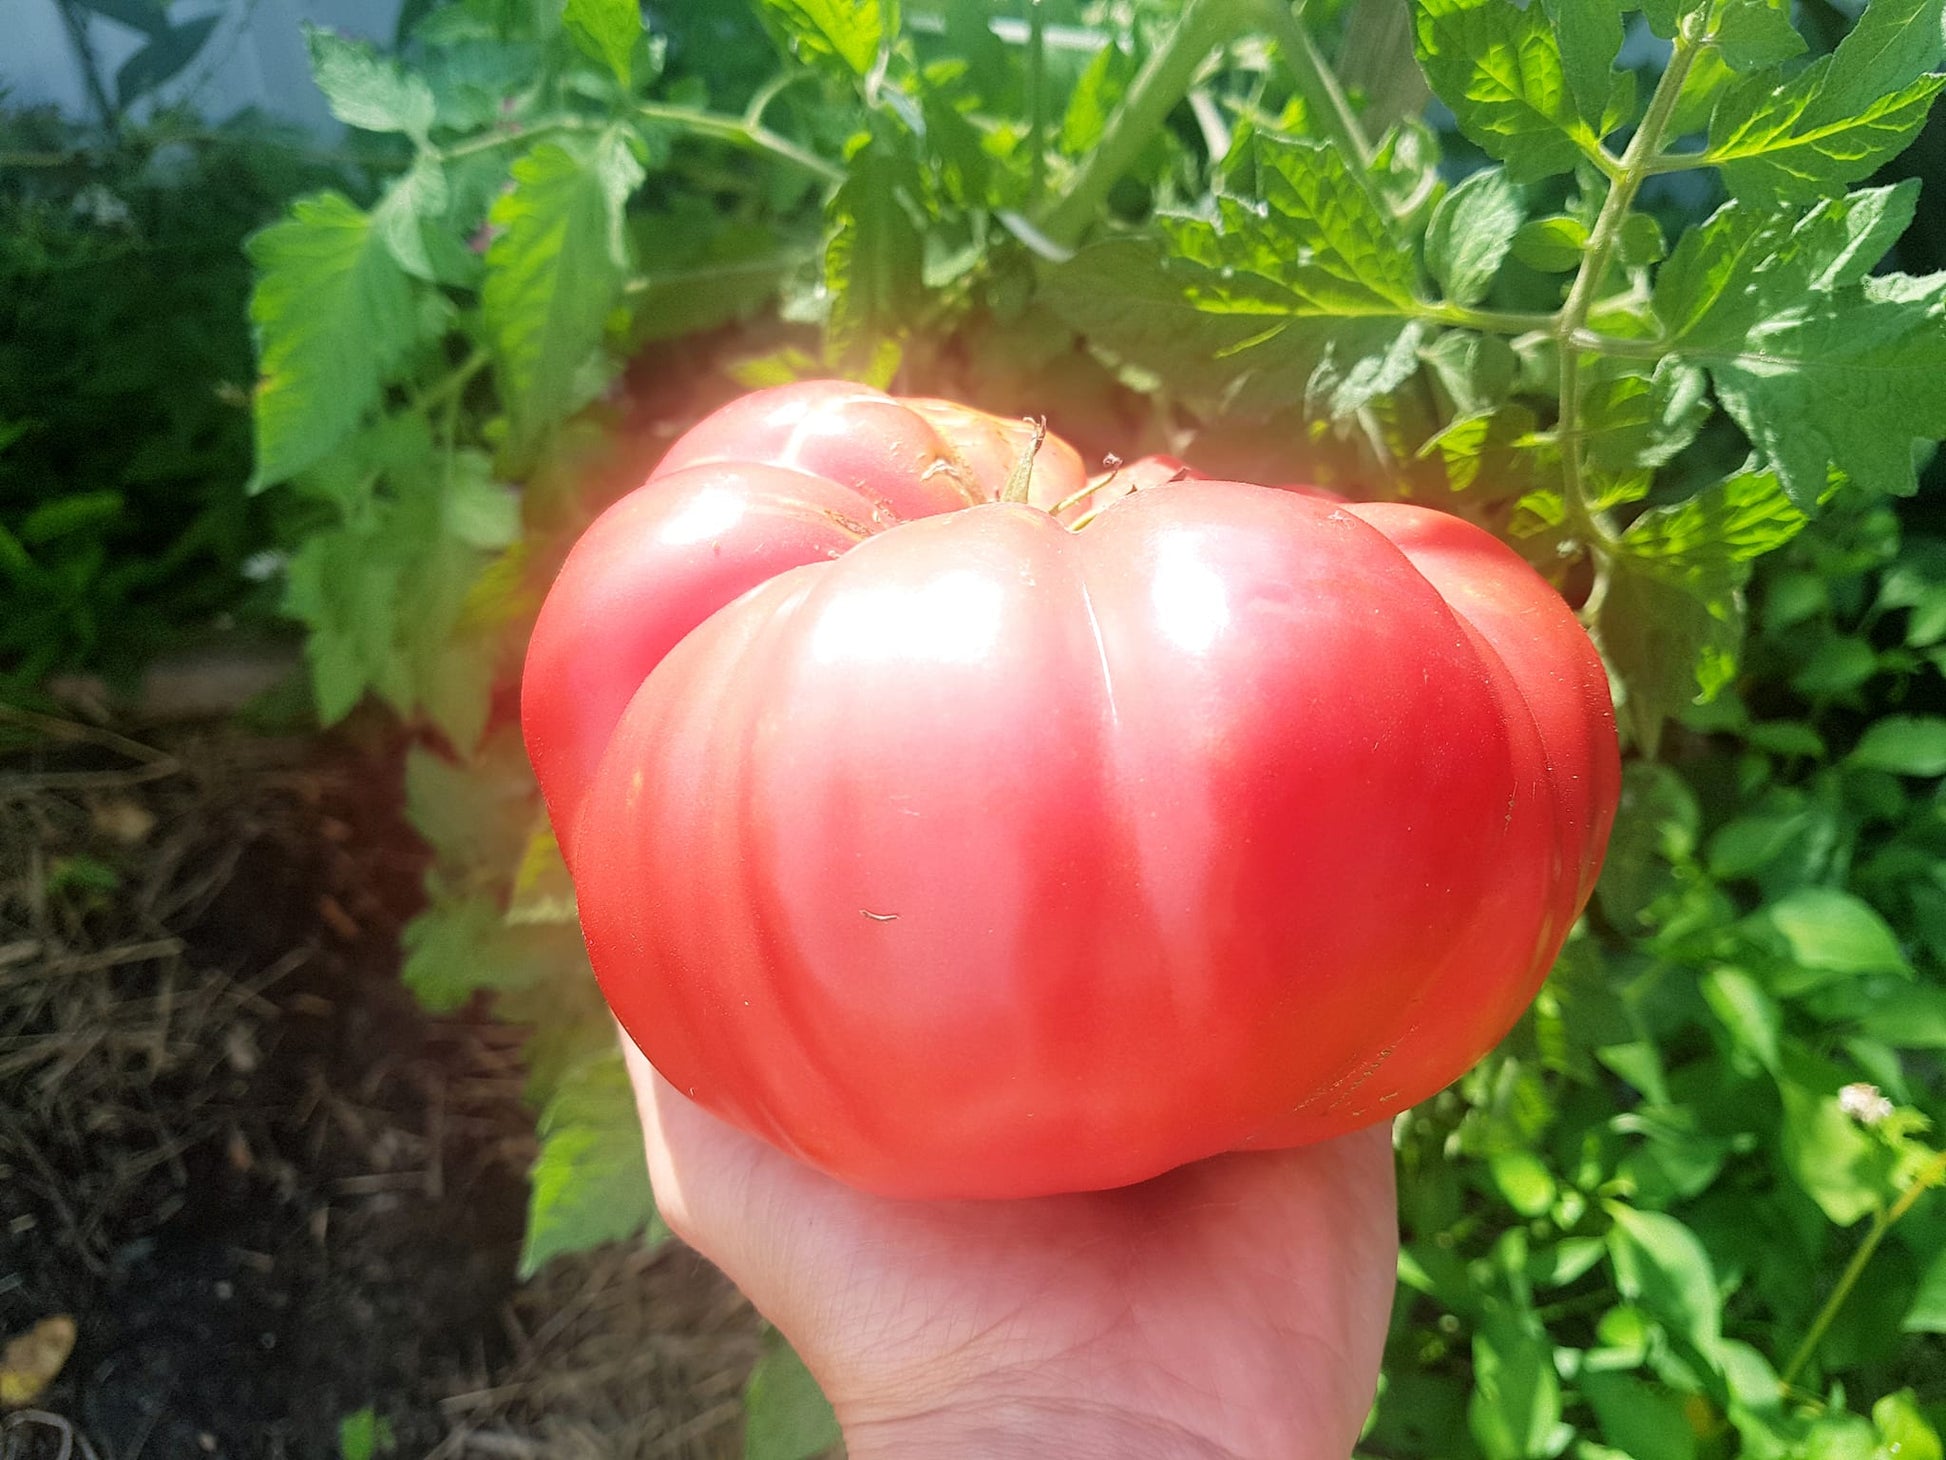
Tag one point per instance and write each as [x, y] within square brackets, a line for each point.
[1236, 1307]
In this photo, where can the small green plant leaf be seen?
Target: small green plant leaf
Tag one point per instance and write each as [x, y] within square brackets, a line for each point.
[1639, 1420]
[366, 90]
[1516, 1402]
[1661, 1265]
[1841, 117]
[1829, 933]
[1840, 1166]
[1752, 34]
[364, 1434]
[1553, 245]
[335, 316]
[556, 271]
[1470, 233]
[590, 1184]
[606, 31]
[848, 32]
[1499, 68]
[1927, 1314]
[1589, 33]
[786, 1416]
[1905, 745]
[874, 251]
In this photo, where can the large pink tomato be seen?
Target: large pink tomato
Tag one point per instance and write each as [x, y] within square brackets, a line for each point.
[962, 852]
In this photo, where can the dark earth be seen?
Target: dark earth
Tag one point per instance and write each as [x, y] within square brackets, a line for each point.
[282, 1206]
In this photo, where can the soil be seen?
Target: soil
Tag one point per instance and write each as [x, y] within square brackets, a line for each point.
[273, 1195]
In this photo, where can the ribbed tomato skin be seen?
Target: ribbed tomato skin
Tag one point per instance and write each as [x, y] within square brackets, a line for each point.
[963, 854]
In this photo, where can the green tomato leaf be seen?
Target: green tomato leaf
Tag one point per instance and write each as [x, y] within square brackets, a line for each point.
[1633, 419]
[1552, 245]
[786, 1416]
[1905, 745]
[555, 272]
[590, 1184]
[1316, 245]
[1103, 83]
[1589, 33]
[1841, 117]
[1662, 1266]
[1360, 361]
[1470, 233]
[1499, 68]
[1476, 371]
[460, 946]
[1847, 380]
[335, 316]
[1132, 304]
[1672, 619]
[846, 32]
[1743, 264]
[476, 813]
[1751, 34]
[874, 256]
[412, 218]
[367, 90]
[606, 31]
[1672, 643]
[1725, 525]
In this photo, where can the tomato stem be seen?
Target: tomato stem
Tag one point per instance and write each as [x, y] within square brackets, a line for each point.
[1020, 480]
[1075, 499]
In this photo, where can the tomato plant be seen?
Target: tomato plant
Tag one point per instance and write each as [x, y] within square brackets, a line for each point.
[1638, 296]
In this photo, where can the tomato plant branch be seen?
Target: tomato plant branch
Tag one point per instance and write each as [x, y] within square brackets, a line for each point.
[1929, 1176]
[1570, 328]
[1163, 81]
[742, 133]
[1323, 96]
[738, 130]
[451, 385]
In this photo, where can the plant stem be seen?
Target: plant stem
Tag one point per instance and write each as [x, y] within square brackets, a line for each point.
[1570, 327]
[735, 129]
[450, 385]
[1036, 97]
[1882, 1222]
[1490, 321]
[738, 130]
[1330, 109]
[1162, 82]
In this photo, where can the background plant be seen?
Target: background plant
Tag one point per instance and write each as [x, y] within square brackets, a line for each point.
[1637, 320]
[125, 371]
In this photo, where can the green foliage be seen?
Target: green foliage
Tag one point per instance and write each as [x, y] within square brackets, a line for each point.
[124, 386]
[1731, 1067]
[1678, 1213]
[591, 1181]
[788, 1417]
[364, 1435]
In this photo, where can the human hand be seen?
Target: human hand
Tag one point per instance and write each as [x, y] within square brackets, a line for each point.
[1233, 1309]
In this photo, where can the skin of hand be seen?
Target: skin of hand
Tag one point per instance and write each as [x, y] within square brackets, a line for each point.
[1230, 1310]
